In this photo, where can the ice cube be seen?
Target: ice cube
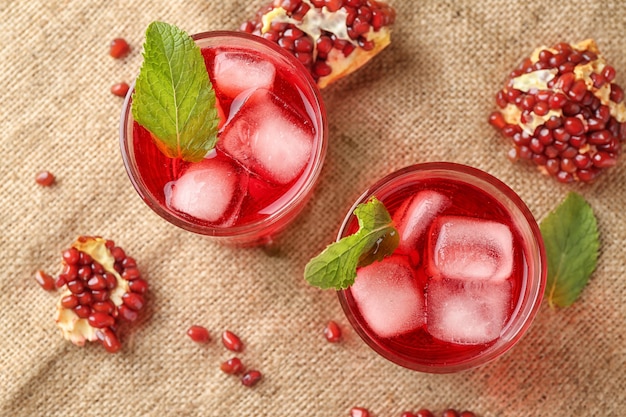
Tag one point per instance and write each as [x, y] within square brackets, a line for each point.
[415, 216]
[211, 190]
[467, 312]
[269, 138]
[470, 249]
[235, 72]
[389, 297]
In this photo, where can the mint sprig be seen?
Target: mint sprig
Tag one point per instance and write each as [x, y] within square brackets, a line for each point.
[173, 98]
[376, 238]
[570, 234]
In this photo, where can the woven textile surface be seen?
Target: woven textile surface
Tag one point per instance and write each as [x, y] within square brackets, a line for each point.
[426, 97]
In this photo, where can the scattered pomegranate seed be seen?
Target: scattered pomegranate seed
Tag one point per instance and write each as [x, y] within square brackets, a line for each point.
[231, 341]
[359, 412]
[332, 332]
[449, 413]
[119, 48]
[232, 366]
[46, 281]
[120, 89]
[251, 378]
[407, 414]
[424, 413]
[566, 126]
[44, 178]
[199, 334]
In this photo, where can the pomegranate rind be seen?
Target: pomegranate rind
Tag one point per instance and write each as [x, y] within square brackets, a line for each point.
[74, 328]
[319, 20]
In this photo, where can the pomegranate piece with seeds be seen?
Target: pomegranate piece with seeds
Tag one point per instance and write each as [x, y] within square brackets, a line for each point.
[331, 38]
[564, 112]
[96, 298]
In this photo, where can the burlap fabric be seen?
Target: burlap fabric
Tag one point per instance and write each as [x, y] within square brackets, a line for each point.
[425, 98]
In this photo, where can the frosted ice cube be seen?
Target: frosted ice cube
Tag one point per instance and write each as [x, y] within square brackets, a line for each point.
[235, 72]
[467, 312]
[388, 296]
[470, 249]
[269, 138]
[415, 216]
[211, 190]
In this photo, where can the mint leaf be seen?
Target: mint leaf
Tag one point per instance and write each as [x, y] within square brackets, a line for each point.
[376, 238]
[570, 235]
[173, 97]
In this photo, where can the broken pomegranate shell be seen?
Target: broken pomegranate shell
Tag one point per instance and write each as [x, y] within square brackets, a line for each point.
[96, 296]
[564, 112]
[331, 38]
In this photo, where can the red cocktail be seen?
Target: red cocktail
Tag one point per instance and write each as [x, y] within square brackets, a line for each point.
[270, 150]
[466, 279]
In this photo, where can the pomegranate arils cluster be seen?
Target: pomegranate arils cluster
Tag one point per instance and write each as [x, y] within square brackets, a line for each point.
[331, 38]
[102, 288]
[564, 112]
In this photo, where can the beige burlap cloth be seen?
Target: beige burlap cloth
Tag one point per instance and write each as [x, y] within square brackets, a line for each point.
[425, 98]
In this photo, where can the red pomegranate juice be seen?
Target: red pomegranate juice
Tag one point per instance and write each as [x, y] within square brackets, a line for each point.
[466, 278]
[269, 152]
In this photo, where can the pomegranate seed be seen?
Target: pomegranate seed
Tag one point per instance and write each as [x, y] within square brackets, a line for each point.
[119, 48]
[232, 366]
[84, 298]
[574, 126]
[467, 414]
[97, 282]
[496, 119]
[118, 253]
[424, 413]
[333, 5]
[111, 280]
[198, 334]
[103, 307]
[541, 108]
[332, 332]
[608, 73]
[84, 258]
[100, 320]
[449, 413]
[76, 286]
[130, 274]
[603, 160]
[359, 412]
[133, 300]
[617, 94]
[69, 301]
[45, 281]
[82, 311]
[407, 414]
[126, 313]
[129, 262]
[251, 378]
[578, 90]
[109, 340]
[100, 295]
[120, 89]
[557, 100]
[290, 5]
[139, 286]
[231, 341]
[44, 178]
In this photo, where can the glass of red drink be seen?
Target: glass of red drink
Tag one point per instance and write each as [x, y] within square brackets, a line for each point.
[466, 279]
[270, 150]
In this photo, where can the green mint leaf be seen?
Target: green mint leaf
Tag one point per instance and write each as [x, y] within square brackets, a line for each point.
[376, 238]
[570, 235]
[173, 98]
